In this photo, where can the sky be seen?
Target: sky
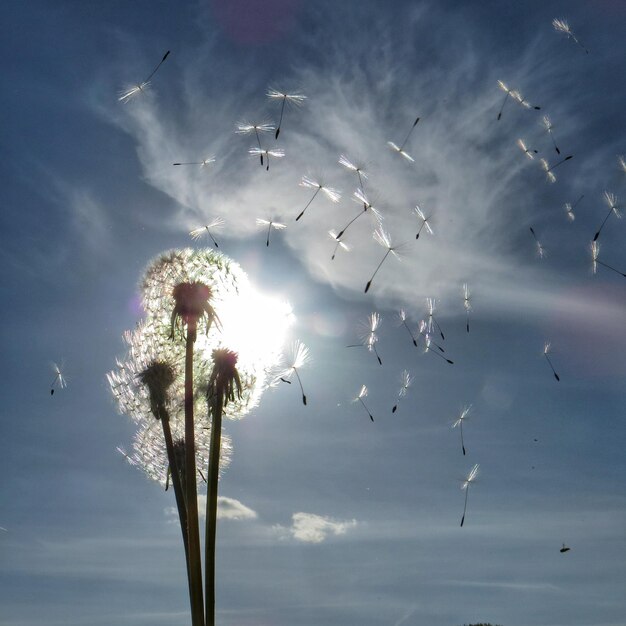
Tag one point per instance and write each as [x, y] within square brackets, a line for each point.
[326, 516]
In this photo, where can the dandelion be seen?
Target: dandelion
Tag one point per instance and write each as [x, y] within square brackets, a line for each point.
[541, 253]
[467, 305]
[367, 206]
[459, 422]
[198, 233]
[517, 96]
[595, 261]
[428, 342]
[561, 26]
[295, 99]
[611, 200]
[367, 334]
[353, 167]
[277, 153]
[204, 163]
[406, 380]
[128, 94]
[569, 209]
[59, 379]
[546, 349]
[270, 224]
[471, 477]
[622, 163]
[359, 398]
[547, 168]
[549, 128]
[338, 244]
[527, 151]
[382, 237]
[299, 357]
[402, 318]
[332, 194]
[246, 129]
[400, 149]
[432, 322]
[424, 223]
[508, 92]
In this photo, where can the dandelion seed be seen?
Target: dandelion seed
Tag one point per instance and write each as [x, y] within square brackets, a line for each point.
[561, 26]
[367, 334]
[424, 223]
[569, 209]
[406, 380]
[198, 233]
[244, 128]
[459, 422]
[611, 200]
[353, 167]
[402, 318]
[277, 153]
[363, 394]
[432, 322]
[549, 126]
[527, 151]
[204, 163]
[467, 305]
[381, 237]
[564, 548]
[471, 477]
[270, 224]
[508, 92]
[332, 194]
[541, 253]
[517, 96]
[400, 149]
[622, 163]
[367, 206]
[338, 244]
[547, 168]
[300, 356]
[428, 342]
[595, 261]
[295, 99]
[128, 94]
[546, 349]
[59, 379]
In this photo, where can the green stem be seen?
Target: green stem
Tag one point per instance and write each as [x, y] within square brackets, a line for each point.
[211, 508]
[193, 533]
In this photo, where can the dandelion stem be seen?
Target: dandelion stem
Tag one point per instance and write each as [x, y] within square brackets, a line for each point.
[368, 411]
[308, 203]
[506, 97]
[280, 121]
[610, 267]
[301, 387]
[376, 271]
[345, 228]
[465, 505]
[551, 366]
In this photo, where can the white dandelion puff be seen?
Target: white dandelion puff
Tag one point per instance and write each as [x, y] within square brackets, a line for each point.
[243, 128]
[198, 233]
[270, 225]
[294, 99]
[332, 194]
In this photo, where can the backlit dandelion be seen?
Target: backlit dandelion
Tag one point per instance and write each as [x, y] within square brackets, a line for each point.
[359, 398]
[517, 97]
[621, 161]
[198, 233]
[548, 169]
[561, 26]
[354, 167]
[406, 380]
[550, 130]
[471, 478]
[402, 317]
[467, 305]
[276, 153]
[611, 201]
[293, 99]
[126, 95]
[424, 222]
[58, 380]
[203, 163]
[595, 261]
[270, 225]
[569, 209]
[382, 237]
[332, 194]
[541, 253]
[507, 92]
[337, 244]
[459, 423]
[367, 333]
[546, 349]
[244, 128]
[429, 343]
[400, 149]
[367, 207]
[526, 150]
[299, 356]
[433, 324]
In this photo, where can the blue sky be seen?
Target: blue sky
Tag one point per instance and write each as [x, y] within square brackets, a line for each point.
[333, 519]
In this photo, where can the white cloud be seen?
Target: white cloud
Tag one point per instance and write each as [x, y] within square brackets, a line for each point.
[312, 528]
[227, 508]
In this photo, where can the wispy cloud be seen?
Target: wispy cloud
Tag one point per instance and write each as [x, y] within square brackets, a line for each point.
[313, 528]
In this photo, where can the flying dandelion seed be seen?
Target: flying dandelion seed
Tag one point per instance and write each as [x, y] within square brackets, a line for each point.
[546, 349]
[244, 128]
[561, 26]
[517, 97]
[277, 153]
[300, 356]
[382, 237]
[549, 126]
[353, 167]
[59, 380]
[569, 209]
[428, 342]
[338, 244]
[508, 92]
[471, 477]
[204, 163]
[402, 318]
[564, 548]
[541, 253]
[611, 200]
[295, 99]
[622, 163]
[459, 422]
[198, 233]
[332, 194]
[367, 206]
[432, 322]
[400, 149]
[467, 305]
[424, 223]
[128, 94]
[367, 334]
[547, 168]
[363, 394]
[595, 261]
[270, 224]
[527, 151]
[406, 380]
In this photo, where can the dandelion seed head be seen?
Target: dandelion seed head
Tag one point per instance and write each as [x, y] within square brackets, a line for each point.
[400, 151]
[547, 123]
[353, 167]
[471, 477]
[465, 411]
[277, 153]
[244, 128]
[611, 201]
[133, 91]
[561, 25]
[406, 380]
[570, 212]
[621, 162]
[503, 87]
[291, 98]
[525, 149]
[362, 394]
[333, 235]
[546, 347]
